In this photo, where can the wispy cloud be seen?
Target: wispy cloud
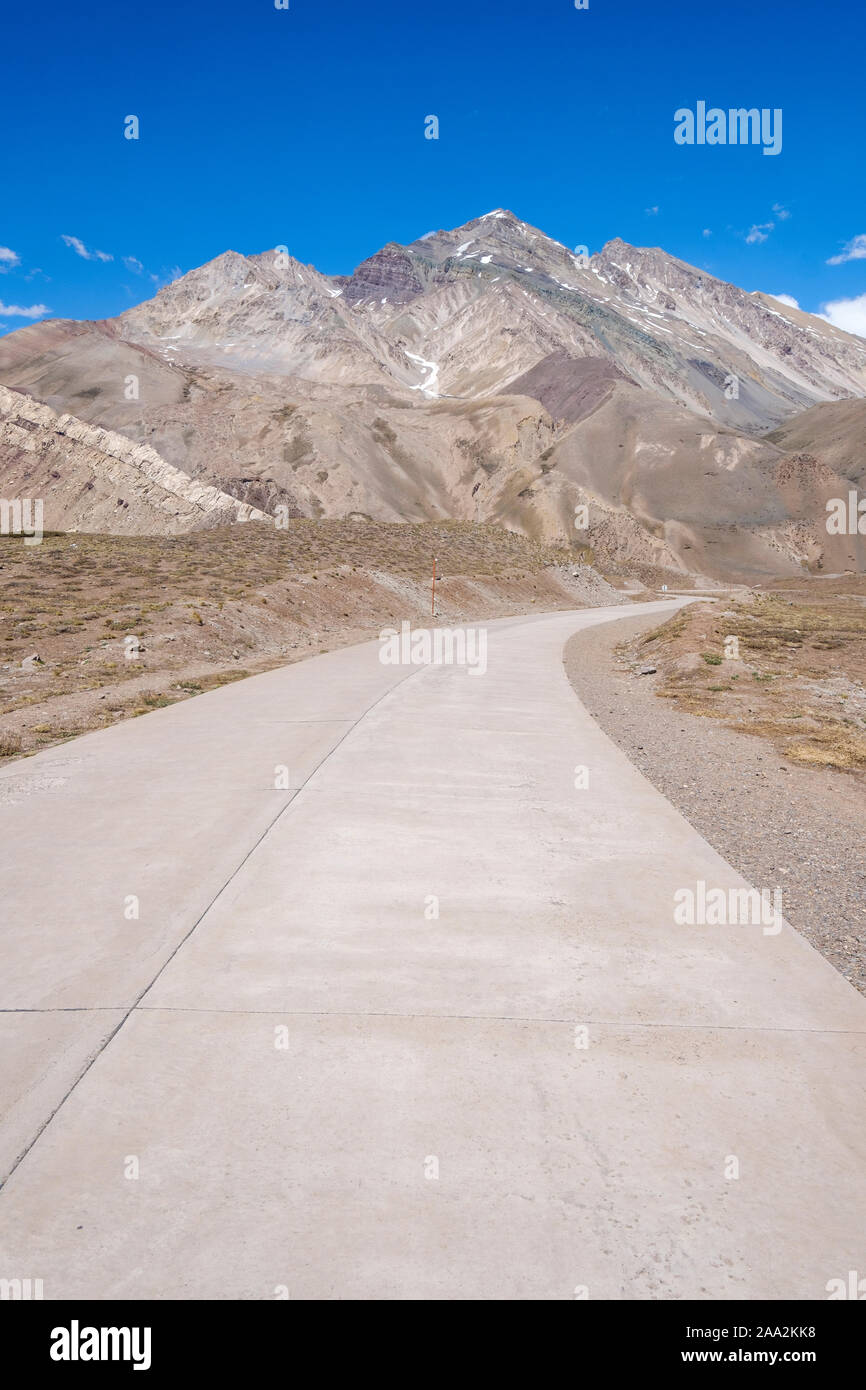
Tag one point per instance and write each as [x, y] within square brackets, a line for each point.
[651, 212]
[781, 212]
[854, 251]
[17, 311]
[706, 232]
[849, 314]
[134, 264]
[8, 258]
[759, 233]
[77, 245]
[166, 277]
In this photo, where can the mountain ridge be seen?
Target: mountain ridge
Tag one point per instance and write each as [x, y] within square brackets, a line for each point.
[485, 372]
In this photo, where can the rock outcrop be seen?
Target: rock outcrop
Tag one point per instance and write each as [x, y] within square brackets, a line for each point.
[92, 479]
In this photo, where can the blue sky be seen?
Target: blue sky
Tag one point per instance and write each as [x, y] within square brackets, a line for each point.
[305, 127]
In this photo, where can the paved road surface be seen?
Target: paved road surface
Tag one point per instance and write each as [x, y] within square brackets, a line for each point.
[330, 1091]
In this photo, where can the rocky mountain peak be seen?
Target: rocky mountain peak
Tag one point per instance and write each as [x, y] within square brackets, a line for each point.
[462, 312]
[483, 372]
[390, 274]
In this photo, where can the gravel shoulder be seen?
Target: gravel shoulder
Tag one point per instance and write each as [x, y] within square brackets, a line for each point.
[801, 829]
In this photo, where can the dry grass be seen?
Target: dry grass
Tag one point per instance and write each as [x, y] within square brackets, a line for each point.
[831, 747]
[215, 606]
[800, 679]
[92, 588]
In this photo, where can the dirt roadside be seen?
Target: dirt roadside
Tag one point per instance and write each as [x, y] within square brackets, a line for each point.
[800, 828]
[97, 629]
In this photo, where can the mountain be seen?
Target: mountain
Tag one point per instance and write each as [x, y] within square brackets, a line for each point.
[487, 373]
[85, 474]
[836, 430]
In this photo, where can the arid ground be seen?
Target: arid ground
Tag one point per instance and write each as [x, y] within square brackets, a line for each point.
[765, 755]
[217, 605]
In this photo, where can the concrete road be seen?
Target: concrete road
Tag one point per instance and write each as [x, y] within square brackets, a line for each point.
[341, 983]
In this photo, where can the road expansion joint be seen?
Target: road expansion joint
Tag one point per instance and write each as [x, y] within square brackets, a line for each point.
[130, 1009]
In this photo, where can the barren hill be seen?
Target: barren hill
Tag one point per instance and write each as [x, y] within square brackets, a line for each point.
[487, 373]
[91, 479]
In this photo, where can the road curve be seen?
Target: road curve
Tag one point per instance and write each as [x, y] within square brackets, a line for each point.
[410, 1019]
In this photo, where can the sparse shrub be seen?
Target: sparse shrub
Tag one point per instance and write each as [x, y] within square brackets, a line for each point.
[152, 699]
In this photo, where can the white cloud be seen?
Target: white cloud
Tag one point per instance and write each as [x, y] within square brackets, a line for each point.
[8, 258]
[167, 277]
[786, 299]
[651, 212]
[81, 250]
[134, 264]
[16, 311]
[706, 232]
[782, 213]
[849, 314]
[854, 251]
[759, 233]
